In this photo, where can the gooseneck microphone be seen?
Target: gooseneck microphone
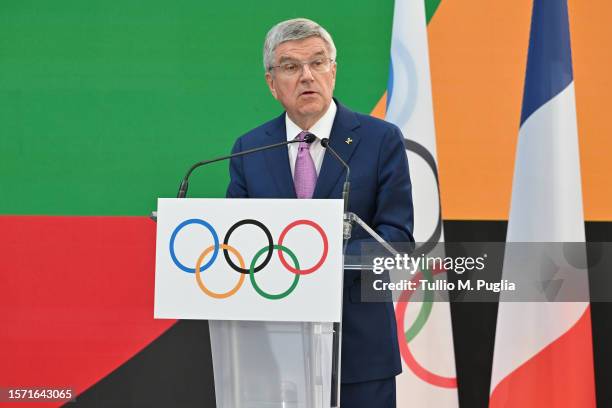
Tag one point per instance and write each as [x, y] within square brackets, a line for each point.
[347, 185]
[182, 193]
[347, 227]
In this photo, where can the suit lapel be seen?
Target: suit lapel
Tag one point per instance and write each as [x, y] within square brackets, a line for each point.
[277, 159]
[343, 139]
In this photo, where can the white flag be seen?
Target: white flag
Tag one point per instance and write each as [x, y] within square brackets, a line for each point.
[428, 360]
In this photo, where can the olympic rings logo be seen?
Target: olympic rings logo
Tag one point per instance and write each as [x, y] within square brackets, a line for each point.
[406, 336]
[241, 268]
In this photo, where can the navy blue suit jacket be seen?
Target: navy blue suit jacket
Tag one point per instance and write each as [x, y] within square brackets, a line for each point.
[380, 195]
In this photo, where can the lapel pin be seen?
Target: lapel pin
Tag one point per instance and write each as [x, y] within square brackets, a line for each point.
[349, 140]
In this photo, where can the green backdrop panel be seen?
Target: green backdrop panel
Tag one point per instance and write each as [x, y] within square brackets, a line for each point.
[104, 106]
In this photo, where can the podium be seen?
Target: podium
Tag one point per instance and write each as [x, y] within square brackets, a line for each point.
[271, 351]
[270, 348]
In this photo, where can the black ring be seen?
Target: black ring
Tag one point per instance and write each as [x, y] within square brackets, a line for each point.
[421, 151]
[270, 246]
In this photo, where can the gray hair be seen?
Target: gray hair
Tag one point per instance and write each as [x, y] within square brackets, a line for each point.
[290, 30]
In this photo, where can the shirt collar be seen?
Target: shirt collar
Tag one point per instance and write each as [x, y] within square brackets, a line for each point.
[321, 129]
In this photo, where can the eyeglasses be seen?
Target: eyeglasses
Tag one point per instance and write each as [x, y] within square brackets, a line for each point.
[291, 68]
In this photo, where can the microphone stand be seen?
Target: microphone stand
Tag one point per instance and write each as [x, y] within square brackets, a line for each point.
[348, 219]
[182, 192]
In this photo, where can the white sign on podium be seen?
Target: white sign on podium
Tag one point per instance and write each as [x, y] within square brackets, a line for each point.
[214, 259]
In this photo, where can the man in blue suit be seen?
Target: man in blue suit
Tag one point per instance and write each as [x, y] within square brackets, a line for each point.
[299, 59]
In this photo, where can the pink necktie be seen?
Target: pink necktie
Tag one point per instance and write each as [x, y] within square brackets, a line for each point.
[305, 174]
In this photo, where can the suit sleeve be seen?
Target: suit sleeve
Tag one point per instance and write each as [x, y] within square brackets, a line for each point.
[393, 218]
[237, 187]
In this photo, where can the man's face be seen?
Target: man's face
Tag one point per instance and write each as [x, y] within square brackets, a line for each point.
[307, 94]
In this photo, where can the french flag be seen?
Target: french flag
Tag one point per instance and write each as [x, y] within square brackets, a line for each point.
[543, 351]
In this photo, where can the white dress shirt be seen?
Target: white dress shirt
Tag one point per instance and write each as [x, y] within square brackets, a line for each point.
[321, 129]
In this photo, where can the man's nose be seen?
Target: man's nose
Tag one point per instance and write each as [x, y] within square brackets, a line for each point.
[306, 74]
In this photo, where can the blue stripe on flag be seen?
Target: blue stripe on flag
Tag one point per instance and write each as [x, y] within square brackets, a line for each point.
[549, 61]
[389, 85]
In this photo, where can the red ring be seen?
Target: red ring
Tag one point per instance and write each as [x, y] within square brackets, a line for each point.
[325, 247]
[418, 370]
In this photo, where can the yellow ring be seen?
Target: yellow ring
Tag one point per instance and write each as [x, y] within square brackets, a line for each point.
[199, 278]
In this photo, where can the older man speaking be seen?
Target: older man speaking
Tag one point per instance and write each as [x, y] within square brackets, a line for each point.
[300, 70]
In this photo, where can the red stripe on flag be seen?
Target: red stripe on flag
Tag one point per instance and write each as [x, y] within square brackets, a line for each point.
[76, 297]
[561, 375]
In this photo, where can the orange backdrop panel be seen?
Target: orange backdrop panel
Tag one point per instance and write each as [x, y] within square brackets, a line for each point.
[478, 53]
[591, 29]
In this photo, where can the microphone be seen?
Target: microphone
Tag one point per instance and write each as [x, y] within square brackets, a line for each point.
[182, 193]
[347, 228]
[347, 185]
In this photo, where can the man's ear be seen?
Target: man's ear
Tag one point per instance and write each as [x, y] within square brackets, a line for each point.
[270, 82]
[333, 70]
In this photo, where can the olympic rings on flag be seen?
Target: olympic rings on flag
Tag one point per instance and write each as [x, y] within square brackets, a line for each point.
[419, 370]
[241, 268]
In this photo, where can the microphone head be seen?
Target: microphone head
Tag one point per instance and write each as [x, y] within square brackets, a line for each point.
[309, 138]
[324, 142]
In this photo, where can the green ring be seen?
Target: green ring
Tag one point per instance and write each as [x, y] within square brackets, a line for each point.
[271, 296]
[424, 313]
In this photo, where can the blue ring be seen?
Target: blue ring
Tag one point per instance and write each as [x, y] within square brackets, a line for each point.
[215, 238]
